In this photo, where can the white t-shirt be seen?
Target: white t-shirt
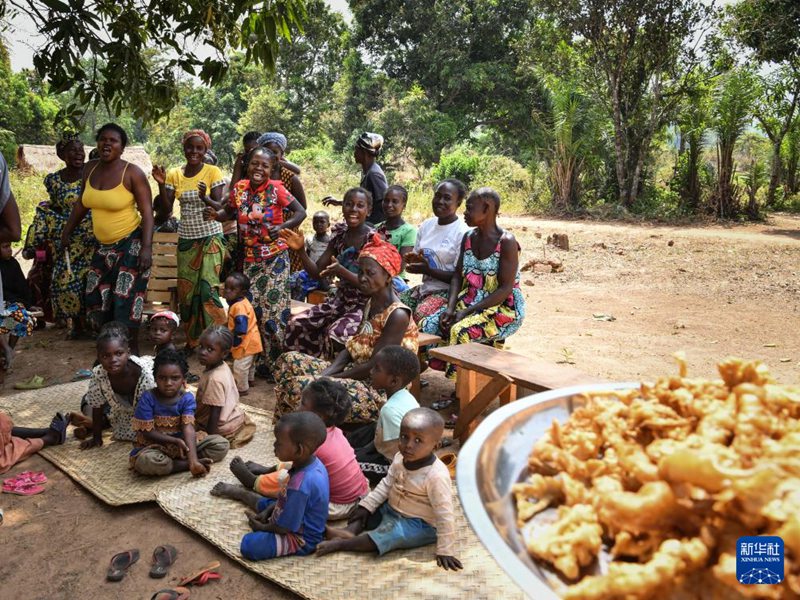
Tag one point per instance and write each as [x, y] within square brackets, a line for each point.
[445, 243]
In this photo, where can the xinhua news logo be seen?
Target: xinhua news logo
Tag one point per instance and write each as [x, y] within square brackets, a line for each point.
[759, 560]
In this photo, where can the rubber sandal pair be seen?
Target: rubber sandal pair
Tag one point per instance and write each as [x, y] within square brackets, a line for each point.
[34, 383]
[203, 575]
[27, 483]
[163, 558]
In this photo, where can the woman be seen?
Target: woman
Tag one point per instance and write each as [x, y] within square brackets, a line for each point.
[386, 321]
[435, 255]
[119, 197]
[71, 265]
[485, 303]
[201, 245]
[368, 146]
[325, 328]
[257, 203]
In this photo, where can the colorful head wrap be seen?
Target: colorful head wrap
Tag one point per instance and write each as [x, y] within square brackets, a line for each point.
[383, 253]
[167, 314]
[197, 133]
[371, 142]
[273, 137]
[67, 137]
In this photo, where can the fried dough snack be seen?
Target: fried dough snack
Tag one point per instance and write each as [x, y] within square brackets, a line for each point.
[669, 476]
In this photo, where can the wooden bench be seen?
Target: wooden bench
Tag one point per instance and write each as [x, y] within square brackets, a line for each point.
[485, 373]
[162, 289]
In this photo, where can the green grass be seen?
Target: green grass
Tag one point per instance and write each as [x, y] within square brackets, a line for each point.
[29, 192]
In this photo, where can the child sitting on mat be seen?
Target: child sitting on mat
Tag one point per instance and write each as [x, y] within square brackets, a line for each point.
[218, 409]
[376, 444]
[243, 324]
[331, 401]
[163, 420]
[412, 506]
[295, 522]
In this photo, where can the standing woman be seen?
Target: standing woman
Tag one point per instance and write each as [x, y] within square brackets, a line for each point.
[257, 203]
[69, 278]
[119, 197]
[201, 245]
[373, 179]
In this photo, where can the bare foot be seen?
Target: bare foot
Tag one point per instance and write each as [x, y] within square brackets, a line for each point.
[224, 490]
[256, 469]
[329, 546]
[338, 533]
[243, 474]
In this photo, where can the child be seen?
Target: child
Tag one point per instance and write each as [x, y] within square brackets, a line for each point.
[330, 400]
[295, 523]
[485, 303]
[18, 443]
[161, 329]
[400, 234]
[15, 319]
[412, 506]
[302, 283]
[244, 327]
[163, 420]
[218, 409]
[317, 331]
[377, 444]
[117, 384]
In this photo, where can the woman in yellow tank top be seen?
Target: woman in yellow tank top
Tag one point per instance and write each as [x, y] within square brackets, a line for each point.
[119, 197]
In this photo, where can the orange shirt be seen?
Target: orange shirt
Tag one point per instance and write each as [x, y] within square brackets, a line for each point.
[242, 322]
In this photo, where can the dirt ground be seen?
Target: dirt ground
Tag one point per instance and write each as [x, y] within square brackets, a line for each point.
[710, 291]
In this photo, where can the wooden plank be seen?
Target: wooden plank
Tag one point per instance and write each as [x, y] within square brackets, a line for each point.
[537, 375]
[165, 261]
[159, 296]
[165, 238]
[162, 272]
[426, 339]
[160, 285]
[165, 250]
[493, 388]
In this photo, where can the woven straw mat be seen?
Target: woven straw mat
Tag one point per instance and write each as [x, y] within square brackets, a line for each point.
[343, 575]
[104, 471]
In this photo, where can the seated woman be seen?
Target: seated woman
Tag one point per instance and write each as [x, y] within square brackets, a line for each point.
[435, 255]
[386, 321]
[485, 303]
[324, 329]
[15, 321]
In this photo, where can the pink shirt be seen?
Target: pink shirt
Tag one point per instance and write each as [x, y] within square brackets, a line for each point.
[348, 483]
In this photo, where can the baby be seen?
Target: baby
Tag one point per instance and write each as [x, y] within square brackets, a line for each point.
[412, 506]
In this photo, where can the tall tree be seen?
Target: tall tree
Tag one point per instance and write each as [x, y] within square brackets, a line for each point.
[692, 122]
[642, 53]
[116, 35]
[791, 150]
[776, 110]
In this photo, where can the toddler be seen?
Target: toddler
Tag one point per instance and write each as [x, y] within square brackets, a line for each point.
[301, 282]
[412, 506]
[161, 329]
[330, 400]
[377, 444]
[243, 324]
[218, 409]
[163, 421]
[295, 522]
[15, 320]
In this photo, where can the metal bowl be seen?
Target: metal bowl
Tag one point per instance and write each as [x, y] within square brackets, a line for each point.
[494, 458]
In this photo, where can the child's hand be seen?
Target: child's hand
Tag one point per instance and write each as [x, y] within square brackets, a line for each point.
[449, 563]
[414, 257]
[210, 213]
[255, 523]
[294, 240]
[201, 190]
[182, 445]
[360, 516]
[91, 443]
[417, 268]
[331, 201]
[447, 320]
[274, 231]
[200, 468]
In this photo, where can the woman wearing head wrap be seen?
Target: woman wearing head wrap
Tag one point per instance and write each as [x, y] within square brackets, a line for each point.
[386, 321]
[367, 148]
[289, 174]
[201, 245]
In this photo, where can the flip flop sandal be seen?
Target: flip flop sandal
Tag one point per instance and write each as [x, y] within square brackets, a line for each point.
[443, 403]
[449, 459]
[120, 563]
[177, 593]
[163, 558]
[20, 488]
[203, 575]
[81, 375]
[34, 383]
[29, 477]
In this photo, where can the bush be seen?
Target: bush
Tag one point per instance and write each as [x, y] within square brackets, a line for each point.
[8, 146]
[459, 163]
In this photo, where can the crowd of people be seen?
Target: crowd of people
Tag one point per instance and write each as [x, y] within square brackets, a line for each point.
[344, 364]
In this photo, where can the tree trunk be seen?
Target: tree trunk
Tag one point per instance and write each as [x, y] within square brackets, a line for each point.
[775, 173]
[620, 154]
[726, 207]
[792, 183]
[693, 175]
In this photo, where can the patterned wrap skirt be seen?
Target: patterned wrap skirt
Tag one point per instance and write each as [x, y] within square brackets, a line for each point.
[269, 288]
[199, 266]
